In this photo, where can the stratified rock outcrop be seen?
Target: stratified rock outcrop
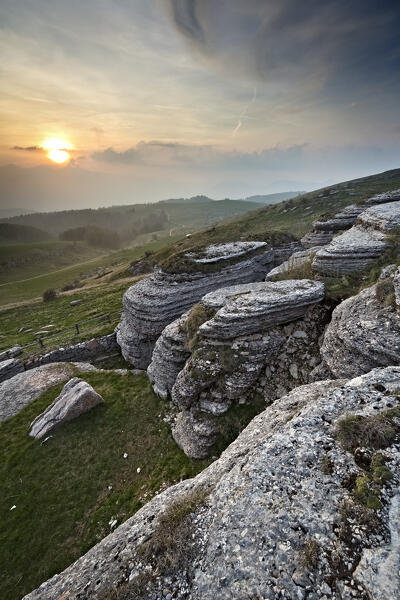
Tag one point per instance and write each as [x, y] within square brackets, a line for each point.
[392, 196]
[356, 248]
[323, 231]
[24, 388]
[77, 397]
[280, 515]
[234, 334]
[364, 332]
[157, 300]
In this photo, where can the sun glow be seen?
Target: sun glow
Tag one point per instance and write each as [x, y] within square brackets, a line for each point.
[57, 150]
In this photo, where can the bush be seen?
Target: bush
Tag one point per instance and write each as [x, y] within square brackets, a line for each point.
[49, 295]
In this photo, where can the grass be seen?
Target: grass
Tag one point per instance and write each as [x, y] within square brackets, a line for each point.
[309, 554]
[17, 291]
[73, 485]
[292, 217]
[198, 315]
[36, 315]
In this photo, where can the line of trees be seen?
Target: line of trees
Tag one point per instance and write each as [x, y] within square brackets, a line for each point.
[94, 236]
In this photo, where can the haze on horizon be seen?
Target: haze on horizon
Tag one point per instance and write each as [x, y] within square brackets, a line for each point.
[171, 98]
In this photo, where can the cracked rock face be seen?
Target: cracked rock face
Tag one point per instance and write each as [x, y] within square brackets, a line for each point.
[77, 397]
[157, 300]
[363, 334]
[280, 520]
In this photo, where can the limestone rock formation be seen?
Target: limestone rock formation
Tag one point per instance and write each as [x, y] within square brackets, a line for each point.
[157, 300]
[323, 231]
[24, 388]
[9, 368]
[77, 397]
[364, 332]
[279, 515]
[354, 249]
[217, 352]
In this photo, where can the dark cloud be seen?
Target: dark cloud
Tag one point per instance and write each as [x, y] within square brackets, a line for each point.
[329, 43]
[28, 148]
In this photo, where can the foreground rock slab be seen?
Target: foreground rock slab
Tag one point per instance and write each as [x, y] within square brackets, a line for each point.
[77, 397]
[276, 516]
[9, 368]
[22, 389]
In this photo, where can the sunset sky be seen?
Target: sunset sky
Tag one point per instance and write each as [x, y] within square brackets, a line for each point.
[160, 98]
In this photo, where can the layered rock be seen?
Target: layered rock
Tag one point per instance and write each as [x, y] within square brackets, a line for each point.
[276, 515]
[24, 388]
[356, 248]
[157, 300]
[323, 231]
[392, 196]
[233, 334]
[364, 333]
[77, 398]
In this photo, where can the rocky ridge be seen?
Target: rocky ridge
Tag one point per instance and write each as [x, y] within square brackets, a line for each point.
[157, 300]
[276, 514]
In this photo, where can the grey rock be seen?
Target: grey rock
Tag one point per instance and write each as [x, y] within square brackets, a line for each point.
[362, 334]
[268, 497]
[157, 300]
[9, 368]
[384, 217]
[396, 284]
[24, 388]
[323, 231]
[383, 198]
[77, 397]
[353, 250]
[76, 302]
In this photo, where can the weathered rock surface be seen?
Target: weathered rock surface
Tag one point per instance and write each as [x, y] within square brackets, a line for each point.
[77, 397]
[9, 368]
[24, 388]
[295, 261]
[272, 499]
[323, 231]
[157, 300]
[363, 334]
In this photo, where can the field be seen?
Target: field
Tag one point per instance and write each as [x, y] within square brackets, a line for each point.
[68, 490]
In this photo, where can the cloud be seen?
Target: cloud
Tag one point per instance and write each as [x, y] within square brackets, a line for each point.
[28, 148]
[320, 43]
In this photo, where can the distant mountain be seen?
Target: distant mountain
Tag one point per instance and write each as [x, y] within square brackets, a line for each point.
[7, 213]
[274, 198]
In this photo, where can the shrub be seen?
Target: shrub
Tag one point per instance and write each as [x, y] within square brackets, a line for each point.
[49, 295]
[309, 556]
[384, 292]
[377, 431]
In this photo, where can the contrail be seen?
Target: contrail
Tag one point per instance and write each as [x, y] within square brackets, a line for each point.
[243, 114]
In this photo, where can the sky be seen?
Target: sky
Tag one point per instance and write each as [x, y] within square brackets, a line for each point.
[172, 98]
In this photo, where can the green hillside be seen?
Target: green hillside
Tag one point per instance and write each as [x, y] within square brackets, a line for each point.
[293, 216]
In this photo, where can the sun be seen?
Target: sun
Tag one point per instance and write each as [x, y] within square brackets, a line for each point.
[57, 150]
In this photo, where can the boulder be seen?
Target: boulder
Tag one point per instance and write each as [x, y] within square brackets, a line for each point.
[25, 387]
[383, 198]
[157, 300]
[276, 516]
[383, 217]
[9, 368]
[364, 332]
[77, 397]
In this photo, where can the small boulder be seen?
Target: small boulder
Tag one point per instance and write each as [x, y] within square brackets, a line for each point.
[77, 397]
[75, 302]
